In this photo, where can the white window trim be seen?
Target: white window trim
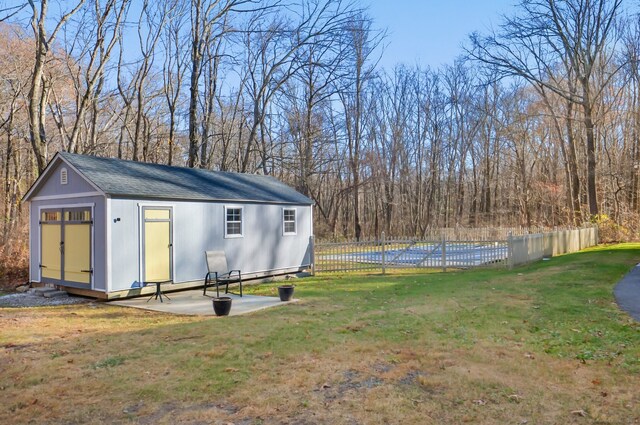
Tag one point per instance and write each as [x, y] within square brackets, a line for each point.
[295, 222]
[234, 207]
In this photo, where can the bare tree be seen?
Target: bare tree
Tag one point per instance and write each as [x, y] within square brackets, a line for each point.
[14, 81]
[8, 12]
[552, 44]
[151, 23]
[210, 98]
[631, 52]
[274, 47]
[175, 61]
[363, 39]
[208, 22]
[318, 80]
[126, 91]
[39, 90]
[97, 52]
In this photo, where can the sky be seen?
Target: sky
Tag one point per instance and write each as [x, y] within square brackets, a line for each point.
[431, 32]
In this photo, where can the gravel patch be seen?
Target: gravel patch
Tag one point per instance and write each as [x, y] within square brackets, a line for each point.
[31, 300]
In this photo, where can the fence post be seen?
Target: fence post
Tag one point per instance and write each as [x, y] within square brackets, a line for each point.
[444, 252]
[384, 269]
[312, 243]
[510, 250]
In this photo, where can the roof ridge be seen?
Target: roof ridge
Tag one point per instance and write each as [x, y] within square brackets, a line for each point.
[157, 164]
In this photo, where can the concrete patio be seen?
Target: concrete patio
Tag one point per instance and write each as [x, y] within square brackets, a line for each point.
[193, 303]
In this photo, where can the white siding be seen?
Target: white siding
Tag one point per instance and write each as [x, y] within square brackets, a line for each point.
[199, 227]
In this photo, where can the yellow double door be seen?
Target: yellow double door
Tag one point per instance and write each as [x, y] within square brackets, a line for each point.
[66, 245]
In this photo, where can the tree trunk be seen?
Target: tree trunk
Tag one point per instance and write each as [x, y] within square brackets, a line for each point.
[591, 150]
[196, 64]
[574, 182]
[37, 134]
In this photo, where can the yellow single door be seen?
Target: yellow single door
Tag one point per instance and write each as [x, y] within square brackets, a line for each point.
[51, 258]
[77, 253]
[157, 245]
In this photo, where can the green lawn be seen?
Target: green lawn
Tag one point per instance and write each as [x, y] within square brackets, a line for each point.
[540, 344]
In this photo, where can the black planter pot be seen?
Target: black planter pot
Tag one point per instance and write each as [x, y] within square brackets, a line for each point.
[222, 306]
[285, 292]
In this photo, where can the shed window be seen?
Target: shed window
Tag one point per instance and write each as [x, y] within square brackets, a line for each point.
[83, 215]
[64, 178]
[289, 221]
[233, 222]
[51, 216]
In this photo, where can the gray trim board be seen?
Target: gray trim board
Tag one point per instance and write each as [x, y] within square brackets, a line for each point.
[71, 196]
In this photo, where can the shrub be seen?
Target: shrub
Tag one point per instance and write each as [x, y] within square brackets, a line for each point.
[609, 231]
[14, 258]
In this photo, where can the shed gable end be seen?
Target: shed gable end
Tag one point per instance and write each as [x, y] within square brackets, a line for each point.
[61, 181]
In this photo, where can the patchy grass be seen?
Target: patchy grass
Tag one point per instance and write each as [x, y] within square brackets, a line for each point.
[541, 344]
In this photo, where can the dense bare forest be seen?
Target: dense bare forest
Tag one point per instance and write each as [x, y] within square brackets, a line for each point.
[537, 123]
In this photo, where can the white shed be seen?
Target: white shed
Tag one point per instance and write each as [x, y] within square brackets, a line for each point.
[102, 226]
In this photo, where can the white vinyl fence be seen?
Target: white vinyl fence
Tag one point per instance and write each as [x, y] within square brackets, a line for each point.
[454, 249]
[529, 248]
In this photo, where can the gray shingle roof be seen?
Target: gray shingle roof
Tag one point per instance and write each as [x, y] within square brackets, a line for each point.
[119, 178]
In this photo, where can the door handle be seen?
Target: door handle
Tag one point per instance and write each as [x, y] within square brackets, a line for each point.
[62, 247]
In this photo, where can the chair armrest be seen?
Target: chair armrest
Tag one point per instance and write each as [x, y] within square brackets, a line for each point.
[227, 275]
